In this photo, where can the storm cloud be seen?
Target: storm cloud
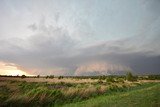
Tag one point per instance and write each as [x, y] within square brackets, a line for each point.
[77, 38]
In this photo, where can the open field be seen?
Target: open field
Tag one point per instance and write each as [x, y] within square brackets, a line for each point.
[148, 95]
[79, 53]
[55, 80]
[79, 92]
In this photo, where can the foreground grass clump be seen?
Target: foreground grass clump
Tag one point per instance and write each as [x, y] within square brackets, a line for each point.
[39, 96]
[4, 90]
[32, 94]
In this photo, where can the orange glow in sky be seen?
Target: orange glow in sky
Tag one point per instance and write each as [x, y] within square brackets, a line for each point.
[10, 69]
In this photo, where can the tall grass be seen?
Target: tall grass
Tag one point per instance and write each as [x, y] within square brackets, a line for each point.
[145, 95]
[17, 93]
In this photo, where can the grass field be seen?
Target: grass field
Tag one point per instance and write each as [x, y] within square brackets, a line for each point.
[147, 95]
[73, 92]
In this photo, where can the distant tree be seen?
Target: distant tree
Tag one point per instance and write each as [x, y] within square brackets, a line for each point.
[153, 77]
[129, 76]
[51, 76]
[47, 76]
[38, 76]
[60, 77]
[23, 76]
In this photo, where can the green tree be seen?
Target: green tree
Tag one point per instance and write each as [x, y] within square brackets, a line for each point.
[38, 76]
[47, 76]
[129, 76]
[23, 76]
[51, 76]
[60, 77]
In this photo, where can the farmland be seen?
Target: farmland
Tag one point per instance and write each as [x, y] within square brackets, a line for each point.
[79, 91]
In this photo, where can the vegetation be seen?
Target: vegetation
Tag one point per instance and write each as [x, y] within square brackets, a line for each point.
[130, 77]
[110, 79]
[60, 77]
[51, 76]
[103, 77]
[38, 76]
[153, 77]
[23, 76]
[68, 91]
[146, 95]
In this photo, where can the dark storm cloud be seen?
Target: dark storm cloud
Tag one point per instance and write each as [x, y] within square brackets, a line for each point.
[44, 55]
[53, 48]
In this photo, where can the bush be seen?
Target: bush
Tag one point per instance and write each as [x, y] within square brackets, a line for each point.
[99, 81]
[102, 77]
[120, 80]
[38, 76]
[154, 77]
[23, 76]
[60, 77]
[47, 76]
[110, 79]
[113, 88]
[130, 77]
[51, 76]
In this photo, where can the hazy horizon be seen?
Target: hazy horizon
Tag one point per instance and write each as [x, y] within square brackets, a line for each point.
[79, 37]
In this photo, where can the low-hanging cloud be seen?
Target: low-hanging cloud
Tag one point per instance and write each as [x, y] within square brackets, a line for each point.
[51, 55]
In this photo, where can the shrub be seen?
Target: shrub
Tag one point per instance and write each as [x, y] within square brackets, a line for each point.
[120, 80]
[154, 77]
[113, 88]
[130, 77]
[38, 76]
[47, 76]
[99, 81]
[60, 77]
[23, 76]
[51, 76]
[102, 77]
[110, 79]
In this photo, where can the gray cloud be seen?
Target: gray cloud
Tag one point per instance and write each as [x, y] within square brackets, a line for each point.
[52, 50]
[76, 39]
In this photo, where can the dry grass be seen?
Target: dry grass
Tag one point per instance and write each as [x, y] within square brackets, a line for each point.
[41, 90]
[55, 80]
[148, 81]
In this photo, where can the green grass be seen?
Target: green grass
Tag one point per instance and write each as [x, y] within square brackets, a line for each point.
[147, 95]
[117, 94]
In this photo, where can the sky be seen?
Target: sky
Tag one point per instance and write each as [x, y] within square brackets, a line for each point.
[79, 37]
